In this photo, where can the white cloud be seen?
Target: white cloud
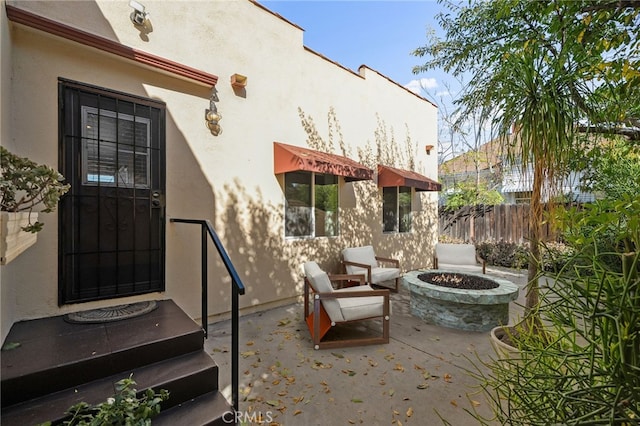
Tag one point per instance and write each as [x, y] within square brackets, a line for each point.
[417, 86]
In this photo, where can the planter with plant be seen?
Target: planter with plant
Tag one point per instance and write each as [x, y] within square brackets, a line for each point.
[126, 407]
[588, 372]
[25, 186]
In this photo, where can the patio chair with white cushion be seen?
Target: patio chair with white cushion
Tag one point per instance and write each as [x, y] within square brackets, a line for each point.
[458, 257]
[363, 260]
[332, 306]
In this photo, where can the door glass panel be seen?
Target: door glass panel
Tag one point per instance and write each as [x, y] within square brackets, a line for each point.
[115, 149]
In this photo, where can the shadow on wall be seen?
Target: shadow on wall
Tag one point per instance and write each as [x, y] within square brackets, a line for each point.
[268, 262]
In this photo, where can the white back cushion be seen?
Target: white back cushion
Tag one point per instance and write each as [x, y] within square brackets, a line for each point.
[363, 254]
[457, 254]
[320, 282]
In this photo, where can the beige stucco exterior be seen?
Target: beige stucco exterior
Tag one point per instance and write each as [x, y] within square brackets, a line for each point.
[229, 178]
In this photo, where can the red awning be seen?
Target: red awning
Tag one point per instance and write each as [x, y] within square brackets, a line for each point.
[389, 176]
[289, 158]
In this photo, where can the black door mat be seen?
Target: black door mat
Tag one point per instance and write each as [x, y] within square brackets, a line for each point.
[111, 313]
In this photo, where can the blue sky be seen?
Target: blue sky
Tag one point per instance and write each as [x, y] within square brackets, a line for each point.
[379, 34]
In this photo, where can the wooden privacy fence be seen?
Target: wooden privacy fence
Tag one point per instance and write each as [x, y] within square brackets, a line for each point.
[506, 222]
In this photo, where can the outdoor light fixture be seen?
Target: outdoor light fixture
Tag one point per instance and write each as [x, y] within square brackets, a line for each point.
[428, 148]
[211, 116]
[238, 81]
[139, 16]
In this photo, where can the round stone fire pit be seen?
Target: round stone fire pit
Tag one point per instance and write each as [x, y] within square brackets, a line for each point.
[463, 301]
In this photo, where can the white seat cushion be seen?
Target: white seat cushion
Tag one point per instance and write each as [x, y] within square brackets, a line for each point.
[355, 308]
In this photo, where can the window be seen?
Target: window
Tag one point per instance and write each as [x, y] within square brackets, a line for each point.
[523, 197]
[311, 204]
[115, 149]
[396, 209]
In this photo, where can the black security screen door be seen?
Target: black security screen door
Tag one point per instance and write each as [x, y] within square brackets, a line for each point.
[112, 219]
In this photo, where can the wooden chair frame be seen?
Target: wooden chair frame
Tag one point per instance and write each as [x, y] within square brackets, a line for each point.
[319, 322]
[380, 259]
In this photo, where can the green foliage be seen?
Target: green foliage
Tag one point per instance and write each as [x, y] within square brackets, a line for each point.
[124, 408]
[553, 255]
[612, 169]
[543, 67]
[25, 184]
[503, 253]
[470, 194]
[588, 370]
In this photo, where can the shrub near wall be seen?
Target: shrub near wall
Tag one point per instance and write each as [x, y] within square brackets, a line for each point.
[512, 255]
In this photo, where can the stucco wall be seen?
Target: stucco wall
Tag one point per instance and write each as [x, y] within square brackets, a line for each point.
[227, 179]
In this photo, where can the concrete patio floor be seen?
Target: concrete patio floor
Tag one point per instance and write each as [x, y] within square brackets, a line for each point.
[419, 378]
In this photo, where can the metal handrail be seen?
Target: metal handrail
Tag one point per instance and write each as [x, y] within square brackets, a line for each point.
[237, 288]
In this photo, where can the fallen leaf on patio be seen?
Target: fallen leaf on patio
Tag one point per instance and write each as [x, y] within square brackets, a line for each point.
[282, 393]
[391, 392]
[291, 380]
[423, 385]
[396, 412]
[435, 339]
[273, 402]
[249, 343]
[382, 382]
[475, 403]
[372, 363]
[389, 357]
[454, 403]
[323, 383]
[248, 354]
[319, 364]
[351, 422]
[410, 412]
[297, 399]
[447, 378]
[295, 413]
[284, 322]
[356, 400]
[399, 367]
[11, 345]
[349, 372]
[398, 422]
[337, 355]
[285, 372]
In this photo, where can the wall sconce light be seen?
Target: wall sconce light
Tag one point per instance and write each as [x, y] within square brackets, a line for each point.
[238, 81]
[428, 148]
[139, 16]
[212, 117]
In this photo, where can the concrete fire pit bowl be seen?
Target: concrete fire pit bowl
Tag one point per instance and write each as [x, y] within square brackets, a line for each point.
[460, 308]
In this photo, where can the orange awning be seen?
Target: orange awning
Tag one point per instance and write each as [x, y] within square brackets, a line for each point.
[389, 176]
[289, 158]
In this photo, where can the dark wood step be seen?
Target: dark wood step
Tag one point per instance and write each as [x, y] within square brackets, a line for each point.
[55, 355]
[186, 377]
[209, 409]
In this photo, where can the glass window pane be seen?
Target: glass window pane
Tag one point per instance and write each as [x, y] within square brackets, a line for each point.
[114, 154]
[326, 205]
[297, 217]
[404, 208]
[389, 209]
